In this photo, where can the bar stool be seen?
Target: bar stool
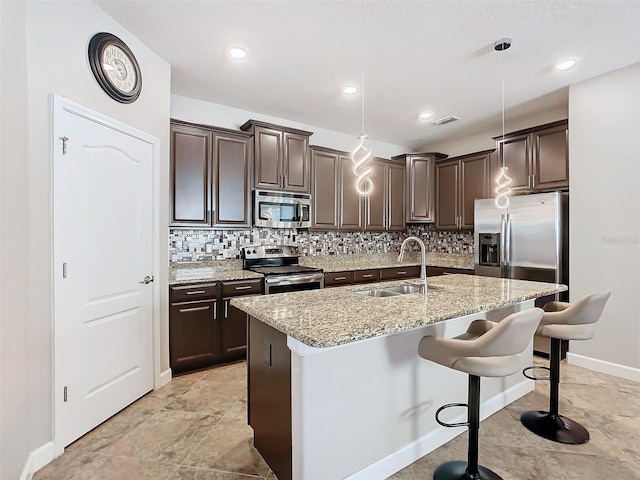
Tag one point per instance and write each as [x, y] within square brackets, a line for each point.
[487, 349]
[562, 321]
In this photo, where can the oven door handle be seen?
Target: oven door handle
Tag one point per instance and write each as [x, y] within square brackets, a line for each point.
[293, 279]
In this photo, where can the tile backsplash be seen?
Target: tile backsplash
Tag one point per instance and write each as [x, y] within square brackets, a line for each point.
[187, 245]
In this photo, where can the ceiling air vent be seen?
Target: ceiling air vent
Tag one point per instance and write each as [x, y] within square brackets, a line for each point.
[445, 120]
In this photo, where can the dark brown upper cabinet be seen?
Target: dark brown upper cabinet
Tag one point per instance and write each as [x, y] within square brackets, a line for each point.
[385, 205]
[459, 181]
[420, 185]
[209, 176]
[537, 158]
[281, 160]
[336, 203]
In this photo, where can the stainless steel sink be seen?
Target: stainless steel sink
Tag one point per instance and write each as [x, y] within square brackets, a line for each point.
[377, 293]
[404, 289]
[392, 291]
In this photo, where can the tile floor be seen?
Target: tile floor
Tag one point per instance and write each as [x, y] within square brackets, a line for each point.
[195, 428]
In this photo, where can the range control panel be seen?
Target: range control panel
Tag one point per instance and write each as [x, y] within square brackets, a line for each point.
[270, 251]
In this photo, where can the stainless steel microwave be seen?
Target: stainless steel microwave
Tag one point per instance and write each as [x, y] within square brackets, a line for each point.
[281, 209]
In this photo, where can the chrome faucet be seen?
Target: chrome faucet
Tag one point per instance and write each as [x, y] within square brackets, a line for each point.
[423, 250]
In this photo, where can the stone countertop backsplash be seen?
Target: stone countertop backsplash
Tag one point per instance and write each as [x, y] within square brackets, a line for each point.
[338, 263]
[335, 316]
[226, 270]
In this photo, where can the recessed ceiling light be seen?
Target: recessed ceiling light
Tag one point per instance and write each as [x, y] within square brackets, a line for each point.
[350, 90]
[238, 53]
[425, 115]
[566, 65]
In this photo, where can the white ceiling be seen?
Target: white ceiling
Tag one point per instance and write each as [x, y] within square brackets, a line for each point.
[416, 55]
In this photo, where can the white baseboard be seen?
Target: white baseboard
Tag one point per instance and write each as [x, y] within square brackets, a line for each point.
[602, 366]
[163, 379]
[37, 459]
[411, 452]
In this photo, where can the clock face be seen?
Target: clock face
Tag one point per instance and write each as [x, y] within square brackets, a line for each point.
[114, 67]
[119, 68]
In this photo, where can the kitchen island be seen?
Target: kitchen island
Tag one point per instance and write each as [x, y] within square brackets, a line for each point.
[336, 387]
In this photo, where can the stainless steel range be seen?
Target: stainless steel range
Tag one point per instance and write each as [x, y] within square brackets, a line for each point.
[281, 270]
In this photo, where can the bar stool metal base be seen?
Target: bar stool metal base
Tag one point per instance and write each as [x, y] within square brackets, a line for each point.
[555, 427]
[457, 470]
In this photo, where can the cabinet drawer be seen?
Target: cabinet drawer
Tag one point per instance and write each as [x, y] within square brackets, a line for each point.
[193, 292]
[242, 287]
[399, 273]
[335, 279]
[366, 276]
[435, 271]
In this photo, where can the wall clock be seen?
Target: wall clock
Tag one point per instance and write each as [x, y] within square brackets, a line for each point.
[115, 67]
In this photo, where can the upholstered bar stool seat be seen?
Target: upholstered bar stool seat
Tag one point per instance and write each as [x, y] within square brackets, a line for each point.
[563, 321]
[486, 349]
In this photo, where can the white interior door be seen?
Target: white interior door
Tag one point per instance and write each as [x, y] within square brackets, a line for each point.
[103, 250]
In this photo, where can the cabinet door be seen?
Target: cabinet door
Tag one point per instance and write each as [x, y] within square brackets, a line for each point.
[350, 200]
[447, 210]
[550, 158]
[296, 162]
[516, 152]
[193, 338]
[231, 160]
[396, 198]
[474, 183]
[376, 212]
[234, 330]
[420, 190]
[190, 196]
[325, 178]
[268, 158]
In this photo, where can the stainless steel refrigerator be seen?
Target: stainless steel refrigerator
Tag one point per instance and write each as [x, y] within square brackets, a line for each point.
[529, 240]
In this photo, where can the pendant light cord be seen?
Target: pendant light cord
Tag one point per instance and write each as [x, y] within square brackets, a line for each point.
[503, 121]
[362, 63]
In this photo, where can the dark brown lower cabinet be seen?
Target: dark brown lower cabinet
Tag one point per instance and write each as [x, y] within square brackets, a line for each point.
[193, 334]
[204, 328]
[269, 401]
[356, 277]
[234, 330]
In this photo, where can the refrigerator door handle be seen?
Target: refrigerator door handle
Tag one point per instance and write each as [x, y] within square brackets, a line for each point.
[505, 244]
[508, 246]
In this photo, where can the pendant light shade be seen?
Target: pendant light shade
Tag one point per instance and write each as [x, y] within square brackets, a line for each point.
[503, 180]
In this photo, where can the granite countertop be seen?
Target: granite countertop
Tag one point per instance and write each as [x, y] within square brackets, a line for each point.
[222, 270]
[314, 318]
[209, 271]
[340, 263]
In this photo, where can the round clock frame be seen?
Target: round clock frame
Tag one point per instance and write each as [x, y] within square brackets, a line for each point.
[115, 78]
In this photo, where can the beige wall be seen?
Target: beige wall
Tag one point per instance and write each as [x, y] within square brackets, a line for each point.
[15, 345]
[604, 161]
[485, 141]
[56, 35]
[198, 111]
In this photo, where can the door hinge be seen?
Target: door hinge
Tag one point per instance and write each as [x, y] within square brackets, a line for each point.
[64, 144]
[64, 270]
[65, 393]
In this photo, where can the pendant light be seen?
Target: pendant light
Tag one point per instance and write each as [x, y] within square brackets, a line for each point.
[503, 180]
[361, 154]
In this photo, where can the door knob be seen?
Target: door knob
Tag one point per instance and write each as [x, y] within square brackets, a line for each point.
[147, 279]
